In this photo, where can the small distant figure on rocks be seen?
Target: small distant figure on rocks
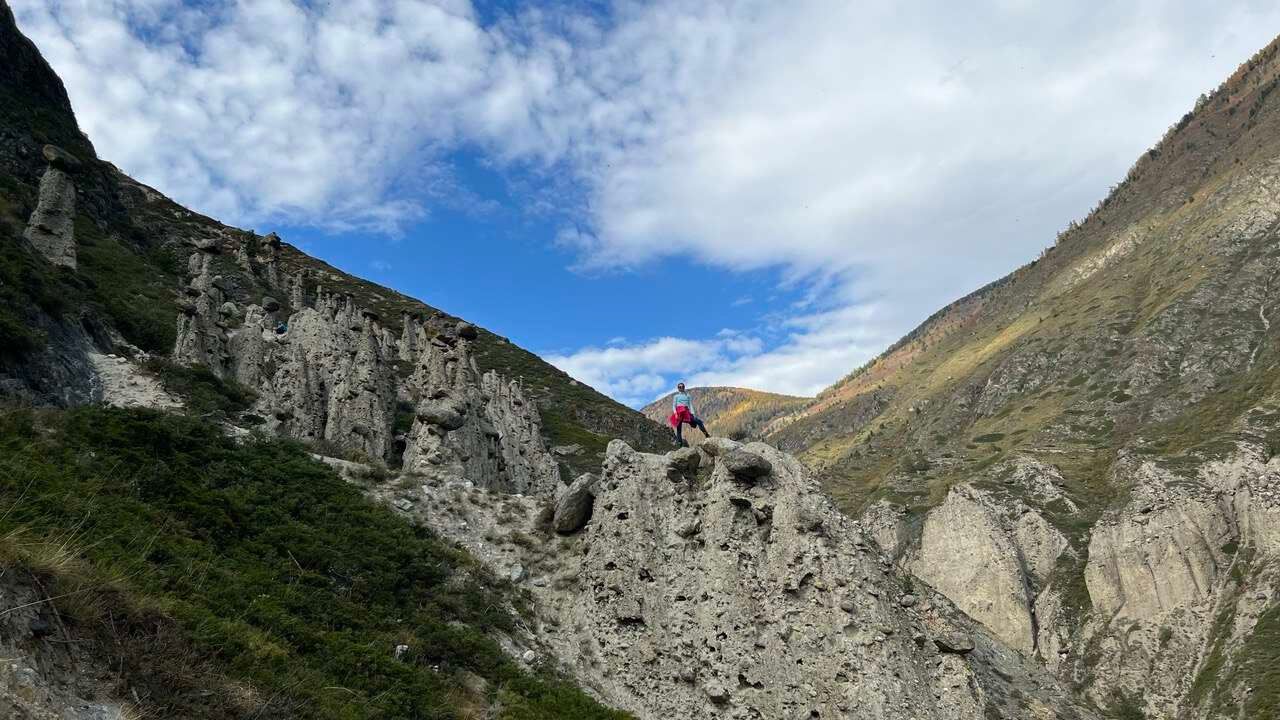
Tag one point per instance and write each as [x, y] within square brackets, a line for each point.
[682, 413]
[282, 327]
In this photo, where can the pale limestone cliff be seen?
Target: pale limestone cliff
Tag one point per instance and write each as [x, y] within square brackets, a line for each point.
[1174, 578]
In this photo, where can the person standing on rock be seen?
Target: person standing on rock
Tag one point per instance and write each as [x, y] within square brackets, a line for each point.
[682, 413]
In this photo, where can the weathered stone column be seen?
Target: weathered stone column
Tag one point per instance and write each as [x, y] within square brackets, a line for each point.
[51, 229]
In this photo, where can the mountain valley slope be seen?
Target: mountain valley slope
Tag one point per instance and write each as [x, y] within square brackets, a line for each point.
[263, 398]
[1079, 457]
[733, 412]
[1082, 454]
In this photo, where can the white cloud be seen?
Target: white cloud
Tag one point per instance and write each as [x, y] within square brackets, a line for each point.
[889, 157]
[262, 110]
[638, 373]
[894, 157]
[815, 349]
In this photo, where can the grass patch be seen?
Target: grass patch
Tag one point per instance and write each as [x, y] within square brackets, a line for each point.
[277, 570]
[134, 286]
[1209, 676]
[203, 392]
[27, 284]
[561, 430]
[1259, 663]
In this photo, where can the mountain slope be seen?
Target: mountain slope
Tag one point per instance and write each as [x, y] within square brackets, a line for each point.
[700, 583]
[1095, 431]
[729, 411]
[225, 579]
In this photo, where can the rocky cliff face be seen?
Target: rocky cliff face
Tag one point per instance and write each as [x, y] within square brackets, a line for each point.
[51, 230]
[325, 369]
[719, 582]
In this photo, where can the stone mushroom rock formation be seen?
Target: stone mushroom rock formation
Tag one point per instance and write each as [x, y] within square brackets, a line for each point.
[61, 159]
[466, 331]
[51, 229]
[338, 375]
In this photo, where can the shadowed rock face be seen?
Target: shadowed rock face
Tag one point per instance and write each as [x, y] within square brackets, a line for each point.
[706, 595]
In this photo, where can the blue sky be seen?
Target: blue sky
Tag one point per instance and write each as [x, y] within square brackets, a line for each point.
[726, 192]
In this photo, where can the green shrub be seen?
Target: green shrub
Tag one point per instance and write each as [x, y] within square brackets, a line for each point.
[203, 392]
[134, 286]
[1126, 707]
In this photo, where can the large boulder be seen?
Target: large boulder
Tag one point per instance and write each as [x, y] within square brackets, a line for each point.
[573, 507]
[954, 642]
[746, 465]
[716, 446]
[442, 411]
[207, 244]
[684, 461]
[60, 158]
[466, 331]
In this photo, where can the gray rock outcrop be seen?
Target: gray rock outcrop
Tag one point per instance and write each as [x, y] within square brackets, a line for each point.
[573, 506]
[715, 598]
[51, 229]
[339, 377]
[989, 564]
[1161, 571]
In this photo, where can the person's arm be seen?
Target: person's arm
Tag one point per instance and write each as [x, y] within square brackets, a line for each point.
[674, 396]
[691, 410]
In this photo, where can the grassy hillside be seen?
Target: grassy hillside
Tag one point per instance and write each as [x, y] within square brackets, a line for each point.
[729, 411]
[260, 562]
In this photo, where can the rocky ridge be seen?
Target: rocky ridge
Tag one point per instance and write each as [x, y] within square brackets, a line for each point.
[719, 582]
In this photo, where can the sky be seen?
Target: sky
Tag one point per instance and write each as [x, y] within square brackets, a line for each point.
[753, 193]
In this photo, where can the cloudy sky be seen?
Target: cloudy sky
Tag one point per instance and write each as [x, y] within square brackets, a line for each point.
[762, 194]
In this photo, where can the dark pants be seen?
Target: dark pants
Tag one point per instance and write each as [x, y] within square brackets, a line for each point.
[696, 423]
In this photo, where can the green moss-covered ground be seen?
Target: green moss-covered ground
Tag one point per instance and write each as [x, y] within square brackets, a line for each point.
[271, 567]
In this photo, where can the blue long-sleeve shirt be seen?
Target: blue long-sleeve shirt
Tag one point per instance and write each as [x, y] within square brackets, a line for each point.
[682, 398]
